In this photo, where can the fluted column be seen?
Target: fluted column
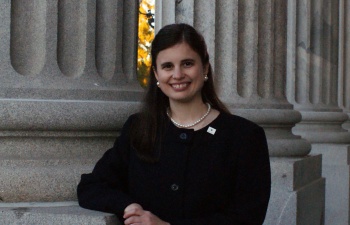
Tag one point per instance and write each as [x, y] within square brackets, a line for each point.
[247, 43]
[67, 84]
[313, 73]
[253, 83]
[313, 70]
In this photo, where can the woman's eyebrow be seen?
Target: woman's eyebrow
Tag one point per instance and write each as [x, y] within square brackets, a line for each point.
[184, 60]
[165, 63]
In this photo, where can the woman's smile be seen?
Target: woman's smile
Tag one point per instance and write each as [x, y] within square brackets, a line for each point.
[180, 86]
[180, 73]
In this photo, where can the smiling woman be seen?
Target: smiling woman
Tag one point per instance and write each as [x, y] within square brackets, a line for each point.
[183, 159]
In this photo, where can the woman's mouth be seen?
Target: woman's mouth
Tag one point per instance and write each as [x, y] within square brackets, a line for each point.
[180, 86]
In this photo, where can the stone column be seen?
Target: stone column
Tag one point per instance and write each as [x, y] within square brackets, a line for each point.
[247, 44]
[67, 84]
[313, 68]
[313, 89]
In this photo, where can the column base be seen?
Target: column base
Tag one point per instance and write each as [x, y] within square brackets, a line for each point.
[53, 213]
[336, 170]
[298, 191]
[323, 127]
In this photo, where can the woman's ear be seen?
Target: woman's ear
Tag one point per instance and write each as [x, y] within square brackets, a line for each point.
[155, 72]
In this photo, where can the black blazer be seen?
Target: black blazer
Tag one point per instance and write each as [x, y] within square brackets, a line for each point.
[216, 176]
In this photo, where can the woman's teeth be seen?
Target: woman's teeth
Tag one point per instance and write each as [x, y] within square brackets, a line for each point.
[179, 85]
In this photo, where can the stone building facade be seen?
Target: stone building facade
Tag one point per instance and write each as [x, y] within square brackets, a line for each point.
[68, 82]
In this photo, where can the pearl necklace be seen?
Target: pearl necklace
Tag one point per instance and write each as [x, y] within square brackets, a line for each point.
[192, 124]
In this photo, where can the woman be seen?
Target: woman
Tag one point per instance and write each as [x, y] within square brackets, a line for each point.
[184, 159]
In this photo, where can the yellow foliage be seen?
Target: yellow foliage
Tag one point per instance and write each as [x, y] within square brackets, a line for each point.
[146, 35]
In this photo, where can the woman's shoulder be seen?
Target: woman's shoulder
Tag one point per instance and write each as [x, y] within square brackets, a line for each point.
[239, 130]
[236, 123]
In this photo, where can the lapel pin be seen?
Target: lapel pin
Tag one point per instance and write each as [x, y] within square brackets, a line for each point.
[211, 130]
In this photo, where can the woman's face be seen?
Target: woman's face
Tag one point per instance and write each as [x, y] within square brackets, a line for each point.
[180, 73]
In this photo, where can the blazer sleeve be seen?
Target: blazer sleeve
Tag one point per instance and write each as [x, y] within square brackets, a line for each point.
[105, 189]
[252, 184]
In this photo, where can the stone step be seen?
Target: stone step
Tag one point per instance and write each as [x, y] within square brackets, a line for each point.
[57, 213]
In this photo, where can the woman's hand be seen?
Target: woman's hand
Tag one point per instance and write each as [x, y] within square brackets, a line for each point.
[134, 214]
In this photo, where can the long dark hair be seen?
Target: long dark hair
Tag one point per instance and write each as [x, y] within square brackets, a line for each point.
[149, 125]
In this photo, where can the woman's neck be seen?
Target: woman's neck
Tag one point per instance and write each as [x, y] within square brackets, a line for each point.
[187, 113]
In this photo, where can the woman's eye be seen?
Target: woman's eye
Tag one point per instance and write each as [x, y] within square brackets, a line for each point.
[188, 64]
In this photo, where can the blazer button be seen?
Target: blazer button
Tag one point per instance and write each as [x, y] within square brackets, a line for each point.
[174, 187]
[183, 136]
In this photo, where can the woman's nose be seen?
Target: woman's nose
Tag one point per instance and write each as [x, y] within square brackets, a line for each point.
[178, 74]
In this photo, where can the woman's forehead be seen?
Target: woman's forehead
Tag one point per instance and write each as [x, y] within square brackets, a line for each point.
[180, 50]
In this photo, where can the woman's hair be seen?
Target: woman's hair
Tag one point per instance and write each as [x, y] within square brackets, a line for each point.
[147, 129]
